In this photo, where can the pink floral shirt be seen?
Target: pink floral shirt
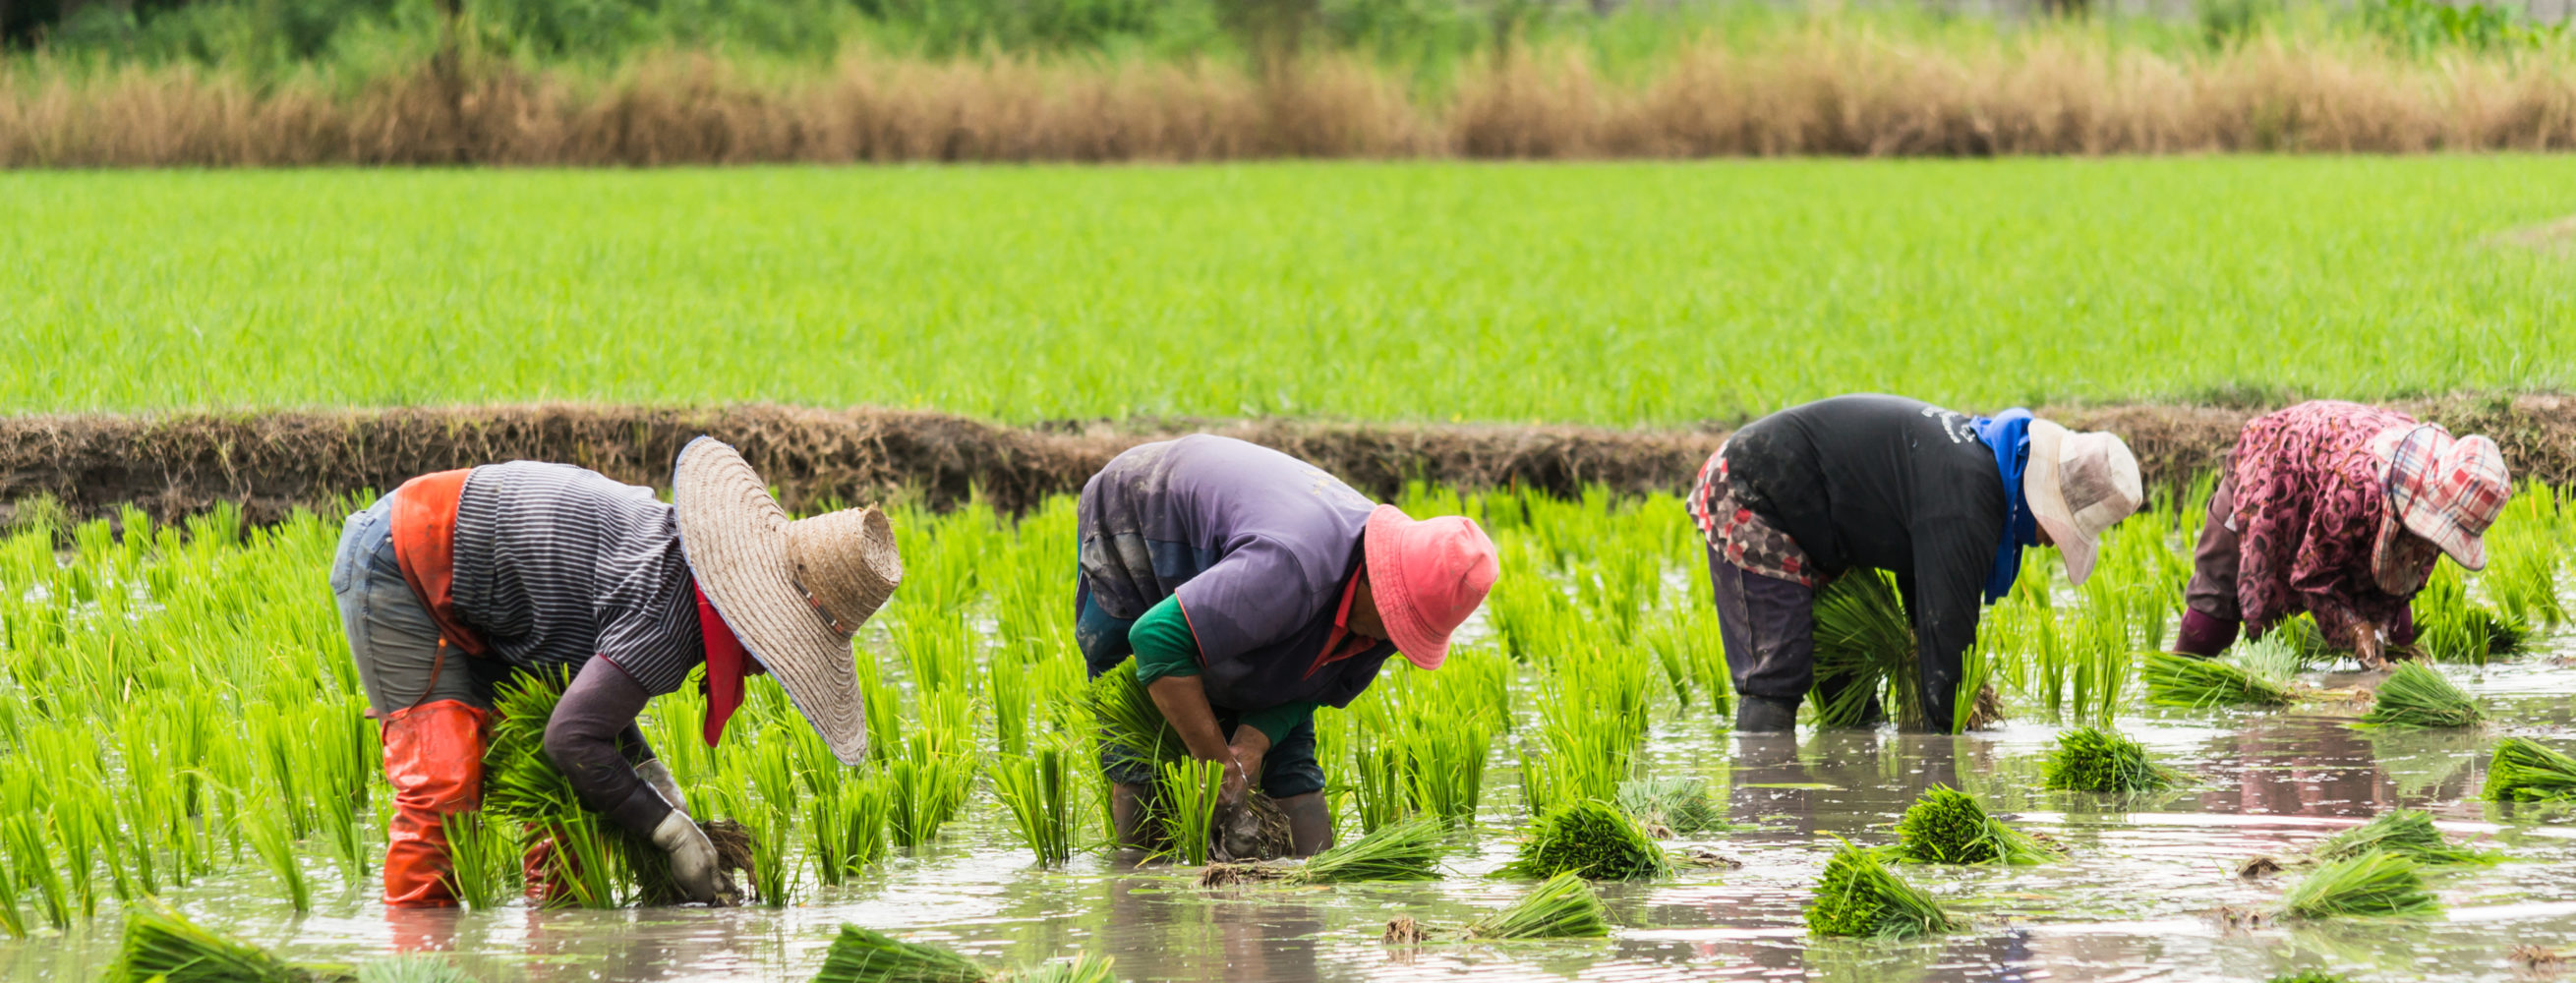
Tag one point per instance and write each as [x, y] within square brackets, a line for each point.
[2310, 500]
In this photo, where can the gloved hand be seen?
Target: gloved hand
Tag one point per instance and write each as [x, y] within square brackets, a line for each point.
[658, 775]
[693, 860]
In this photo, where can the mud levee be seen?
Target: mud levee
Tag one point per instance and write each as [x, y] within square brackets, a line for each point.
[272, 462]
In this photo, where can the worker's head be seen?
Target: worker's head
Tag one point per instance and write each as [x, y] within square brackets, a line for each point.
[1425, 578]
[793, 592]
[2078, 485]
[2445, 490]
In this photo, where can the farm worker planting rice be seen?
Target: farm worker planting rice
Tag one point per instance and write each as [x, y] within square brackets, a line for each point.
[1942, 500]
[2338, 510]
[1252, 587]
[460, 578]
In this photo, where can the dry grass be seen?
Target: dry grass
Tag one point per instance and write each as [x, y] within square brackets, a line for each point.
[1820, 90]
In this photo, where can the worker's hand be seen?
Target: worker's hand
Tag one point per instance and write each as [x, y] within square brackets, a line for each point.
[2410, 651]
[1238, 784]
[1243, 761]
[2367, 647]
[693, 860]
[658, 775]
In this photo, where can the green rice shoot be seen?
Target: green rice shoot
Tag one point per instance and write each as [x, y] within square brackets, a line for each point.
[1859, 897]
[862, 955]
[1562, 907]
[2091, 759]
[1864, 644]
[2416, 695]
[1948, 826]
[162, 946]
[1591, 839]
[2372, 884]
[1680, 806]
[2196, 683]
[1190, 792]
[2408, 833]
[1402, 851]
[2523, 770]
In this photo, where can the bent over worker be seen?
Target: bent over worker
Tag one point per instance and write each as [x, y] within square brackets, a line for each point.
[2339, 510]
[1252, 587]
[1943, 500]
[460, 578]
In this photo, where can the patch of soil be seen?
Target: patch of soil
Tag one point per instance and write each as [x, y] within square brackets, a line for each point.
[172, 465]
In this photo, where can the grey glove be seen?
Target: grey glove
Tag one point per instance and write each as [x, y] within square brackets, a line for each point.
[693, 860]
[658, 775]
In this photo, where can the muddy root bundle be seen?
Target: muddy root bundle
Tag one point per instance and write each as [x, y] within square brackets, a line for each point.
[2184, 681]
[1865, 644]
[1590, 839]
[2407, 833]
[1671, 806]
[1948, 826]
[2524, 771]
[1858, 896]
[863, 955]
[2091, 759]
[2372, 884]
[1562, 908]
[2417, 695]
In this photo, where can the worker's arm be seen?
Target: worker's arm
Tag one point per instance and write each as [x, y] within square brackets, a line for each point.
[1942, 594]
[1167, 662]
[582, 739]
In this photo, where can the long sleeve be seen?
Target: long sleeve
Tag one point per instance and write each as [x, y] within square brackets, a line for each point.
[1943, 593]
[583, 740]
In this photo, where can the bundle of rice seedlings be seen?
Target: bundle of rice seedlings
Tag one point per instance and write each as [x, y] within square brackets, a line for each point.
[1948, 826]
[412, 969]
[1865, 644]
[2375, 883]
[1191, 790]
[2524, 771]
[2185, 681]
[1405, 851]
[1132, 728]
[1859, 896]
[1562, 908]
[2417, 695]
[1085, 968]
[2312, 976]
[2090, 759]
[2452, 628]
[862, 955]
[1672, 806]
[1591, 839]
[162, 946]
[2407, 833]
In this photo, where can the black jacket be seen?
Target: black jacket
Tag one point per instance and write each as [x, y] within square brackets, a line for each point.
[1889, 483]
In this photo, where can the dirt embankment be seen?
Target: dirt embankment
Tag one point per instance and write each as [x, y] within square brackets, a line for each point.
[272, 462]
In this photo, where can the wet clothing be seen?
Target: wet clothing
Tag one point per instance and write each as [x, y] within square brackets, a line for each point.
[2293, 526]
[1877, 482]
[1260, 550]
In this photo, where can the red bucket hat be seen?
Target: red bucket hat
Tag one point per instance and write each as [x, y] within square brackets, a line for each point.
[1427, 576]
[2447, 491]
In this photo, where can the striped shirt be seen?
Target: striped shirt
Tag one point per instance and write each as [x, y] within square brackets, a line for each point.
[555, 564]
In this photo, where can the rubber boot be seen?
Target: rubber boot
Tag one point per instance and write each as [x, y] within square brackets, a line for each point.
[1764, 715]
[434, 760]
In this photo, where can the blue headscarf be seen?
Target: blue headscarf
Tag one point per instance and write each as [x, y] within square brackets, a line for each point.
[2008, 435]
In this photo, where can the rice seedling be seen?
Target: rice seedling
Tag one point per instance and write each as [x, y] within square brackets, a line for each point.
[1858, 896]
[1864, 645]
[848, 827]
[411, 969]
[1190, 790]
[2091, 759]
[1405, 851]
[1672, 806]
[2407, 833]
[2453, 628]
[2197, 683]
[861, 955]
[2522, 770]
[2416, 695]
[2277, 655]
[1383, 795]
[1132, 729]
[1948, 826]
[2311, 976]
[1085, 968]
[598, 864]
[161, 946]
[2374, 883]
[271, 838]
[483, 859]
[1562, 907]
[1592, 839]
[1036, 790]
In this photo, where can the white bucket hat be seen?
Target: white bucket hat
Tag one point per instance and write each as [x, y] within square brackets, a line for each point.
[794, 592]
[2078, 485]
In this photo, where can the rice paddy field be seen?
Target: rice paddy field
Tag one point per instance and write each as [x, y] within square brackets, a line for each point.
[1603, 293]
[180, 720]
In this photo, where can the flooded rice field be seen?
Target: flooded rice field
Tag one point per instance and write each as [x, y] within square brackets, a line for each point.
[2140, 898]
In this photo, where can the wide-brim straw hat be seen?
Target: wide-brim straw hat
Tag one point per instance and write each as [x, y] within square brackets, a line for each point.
[2079, 484]
[795, 592]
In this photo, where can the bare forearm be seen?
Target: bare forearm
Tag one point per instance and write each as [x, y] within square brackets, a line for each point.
[1183, 701]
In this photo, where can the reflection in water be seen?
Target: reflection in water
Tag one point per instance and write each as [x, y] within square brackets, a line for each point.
[2132, 902]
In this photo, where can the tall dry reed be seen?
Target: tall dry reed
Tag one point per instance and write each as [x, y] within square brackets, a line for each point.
[1819, 90]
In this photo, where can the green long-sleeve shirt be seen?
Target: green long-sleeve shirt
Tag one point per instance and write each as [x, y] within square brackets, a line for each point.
[1165, 647]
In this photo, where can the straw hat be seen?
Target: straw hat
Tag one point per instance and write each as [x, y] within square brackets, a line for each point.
[794, 592]
[2078, 485]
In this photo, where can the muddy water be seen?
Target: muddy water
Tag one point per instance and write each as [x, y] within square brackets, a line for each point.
[2134, 903]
